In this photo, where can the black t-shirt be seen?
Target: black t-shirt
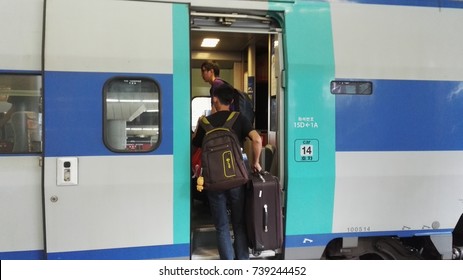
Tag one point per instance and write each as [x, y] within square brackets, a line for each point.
[241, 127]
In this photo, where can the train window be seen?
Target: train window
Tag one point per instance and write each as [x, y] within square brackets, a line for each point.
[20, 114]
[351, 87]
[200, 105]
[132, 117]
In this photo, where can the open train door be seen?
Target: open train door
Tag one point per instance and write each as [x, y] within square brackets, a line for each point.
[112, 143]
[250, 57]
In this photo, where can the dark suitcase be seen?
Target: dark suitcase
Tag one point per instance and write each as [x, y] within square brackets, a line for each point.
[264, 219]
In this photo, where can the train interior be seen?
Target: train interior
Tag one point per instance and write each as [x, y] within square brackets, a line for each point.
[247, 54]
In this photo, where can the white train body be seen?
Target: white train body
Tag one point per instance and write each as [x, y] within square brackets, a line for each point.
[367, 125]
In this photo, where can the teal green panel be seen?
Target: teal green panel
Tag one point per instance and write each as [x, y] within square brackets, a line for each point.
[310, 118]
[181, 99]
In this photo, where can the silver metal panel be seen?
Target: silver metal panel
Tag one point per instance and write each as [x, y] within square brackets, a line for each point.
[400, 187]
[21, 31]
[108, 36]
[382, 49]
[118, 202]
[21, 221]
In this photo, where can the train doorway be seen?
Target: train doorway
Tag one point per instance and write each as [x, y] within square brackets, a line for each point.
[249, 56]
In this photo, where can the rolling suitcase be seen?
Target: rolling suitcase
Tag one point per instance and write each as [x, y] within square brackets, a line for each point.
[264, 218]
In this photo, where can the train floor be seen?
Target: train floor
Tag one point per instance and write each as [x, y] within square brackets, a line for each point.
[203, 239]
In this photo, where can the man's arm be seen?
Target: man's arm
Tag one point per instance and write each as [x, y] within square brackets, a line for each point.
[256, 149]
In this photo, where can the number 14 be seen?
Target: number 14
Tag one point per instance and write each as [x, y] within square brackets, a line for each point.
[306, 150]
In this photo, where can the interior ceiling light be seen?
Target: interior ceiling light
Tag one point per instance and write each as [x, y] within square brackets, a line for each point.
[210, 42]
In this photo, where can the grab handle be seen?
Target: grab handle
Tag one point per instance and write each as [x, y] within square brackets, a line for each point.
[265, 218]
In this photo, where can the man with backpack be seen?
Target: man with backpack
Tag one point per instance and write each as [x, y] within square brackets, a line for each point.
[210, 72]
[221, 99]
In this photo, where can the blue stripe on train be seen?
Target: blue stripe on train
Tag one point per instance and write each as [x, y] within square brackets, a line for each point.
[74, 113]
[309, 240]
[402, 116]
[23, 255]
[133, 253]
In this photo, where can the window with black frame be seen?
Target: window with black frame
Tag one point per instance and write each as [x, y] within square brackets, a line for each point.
[351, 87]
[132, 114]
[20, 113]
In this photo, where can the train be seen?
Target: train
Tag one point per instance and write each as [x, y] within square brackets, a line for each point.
[358, 104]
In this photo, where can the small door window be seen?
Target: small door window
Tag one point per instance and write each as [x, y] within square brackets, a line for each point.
[132, 114]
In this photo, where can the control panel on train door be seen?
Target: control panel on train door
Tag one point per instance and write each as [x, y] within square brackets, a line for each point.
[67, 171]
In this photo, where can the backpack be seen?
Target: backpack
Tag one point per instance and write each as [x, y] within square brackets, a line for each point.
[221, 160]
[242, 103]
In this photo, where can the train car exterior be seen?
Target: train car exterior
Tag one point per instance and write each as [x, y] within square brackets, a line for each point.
[94, 109]
[379, 159]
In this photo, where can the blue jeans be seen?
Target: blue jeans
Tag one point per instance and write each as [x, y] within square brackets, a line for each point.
[218, 203]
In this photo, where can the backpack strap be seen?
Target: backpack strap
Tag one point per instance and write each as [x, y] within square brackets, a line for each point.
[204, 122]
[231, 120]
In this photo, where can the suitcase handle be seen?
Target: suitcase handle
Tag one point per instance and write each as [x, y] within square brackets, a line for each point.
[265, 218]
[260, 173]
